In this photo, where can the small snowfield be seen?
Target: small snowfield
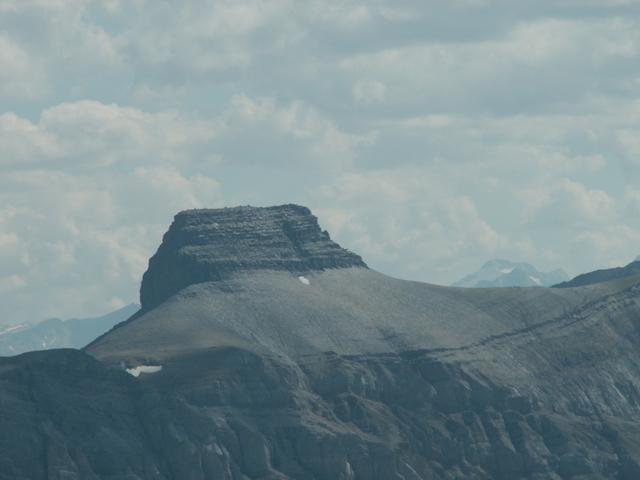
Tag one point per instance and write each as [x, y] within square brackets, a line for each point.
[136, 371]
[304, 280]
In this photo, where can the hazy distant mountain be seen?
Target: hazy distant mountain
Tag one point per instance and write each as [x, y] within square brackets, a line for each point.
[264, 350]
[603, 275]
[56, 333]
[503, 273]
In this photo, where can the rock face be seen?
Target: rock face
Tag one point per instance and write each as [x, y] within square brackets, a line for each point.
[325, 373]
[604, 275]
[206, 245]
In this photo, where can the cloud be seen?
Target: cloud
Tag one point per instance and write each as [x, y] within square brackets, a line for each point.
[88, 189]
[87, 192]
[537, 66]
[428, 137]
[23, 142]
[79, 241]
[20, 75]
[369, 91]
[568, 203]
[262, 131]
[11, 283]
[110, 133]
[405, 221]
[90, 134]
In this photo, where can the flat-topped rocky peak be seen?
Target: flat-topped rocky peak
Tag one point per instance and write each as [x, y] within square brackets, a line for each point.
[210, 244]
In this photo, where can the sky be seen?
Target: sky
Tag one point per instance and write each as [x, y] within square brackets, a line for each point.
[427, 136]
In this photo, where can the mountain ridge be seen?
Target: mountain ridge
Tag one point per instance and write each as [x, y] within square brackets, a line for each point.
[57, 333]
[332, 373]
[505, 273]
[602, 275]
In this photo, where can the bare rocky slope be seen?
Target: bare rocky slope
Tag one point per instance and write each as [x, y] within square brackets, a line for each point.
[284, 357]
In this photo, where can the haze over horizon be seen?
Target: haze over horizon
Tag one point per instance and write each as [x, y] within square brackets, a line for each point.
[428, 137]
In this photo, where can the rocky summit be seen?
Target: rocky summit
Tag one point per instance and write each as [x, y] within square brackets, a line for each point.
[208, 245]
[266, 351]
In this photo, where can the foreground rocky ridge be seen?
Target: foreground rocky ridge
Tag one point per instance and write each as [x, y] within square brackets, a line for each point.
[339, 373]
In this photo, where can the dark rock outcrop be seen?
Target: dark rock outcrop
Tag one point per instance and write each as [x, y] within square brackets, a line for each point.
[206, 245]
[604, 275]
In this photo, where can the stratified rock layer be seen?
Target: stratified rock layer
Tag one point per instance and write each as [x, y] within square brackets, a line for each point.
[206, 245]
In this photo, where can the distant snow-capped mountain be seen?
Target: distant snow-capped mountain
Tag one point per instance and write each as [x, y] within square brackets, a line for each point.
[504, 273]
[56, 333]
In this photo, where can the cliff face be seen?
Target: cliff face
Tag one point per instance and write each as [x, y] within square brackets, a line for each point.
[208, 245]
[292, 361]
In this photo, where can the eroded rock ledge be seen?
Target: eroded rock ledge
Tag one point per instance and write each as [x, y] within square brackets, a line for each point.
[209, 244]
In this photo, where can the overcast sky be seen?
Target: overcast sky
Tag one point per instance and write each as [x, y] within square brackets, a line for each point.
[428, 136]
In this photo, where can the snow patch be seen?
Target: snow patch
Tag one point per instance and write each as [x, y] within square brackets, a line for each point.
[136, 371]
[348, 469]
[215, 447]
[304, 280]
[535, 280]
[12, 329]
[412, 470]
[48, 342]
[506, 270]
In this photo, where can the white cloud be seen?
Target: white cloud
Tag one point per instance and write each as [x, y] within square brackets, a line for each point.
[369, 91]
[88, 189]
[19, 74]
[570, 203]
[23, 142]
[535, 66]
[90, 134]
[259, 130]
[11, 283]
[79, 241]
[406, 222]
[428, 137]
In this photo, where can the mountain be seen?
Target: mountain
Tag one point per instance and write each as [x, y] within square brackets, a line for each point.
[264, 350]
[503, 273]
[604, 275]
[56, 333]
